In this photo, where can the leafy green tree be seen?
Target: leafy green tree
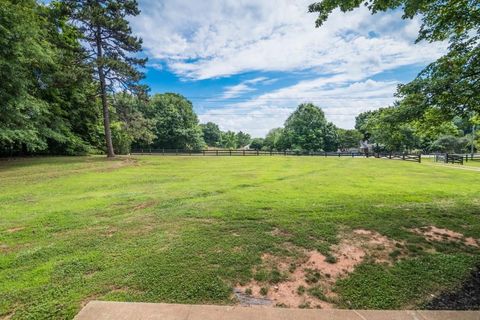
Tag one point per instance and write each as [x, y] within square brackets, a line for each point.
[348, 138]
[229, 140]
[330, 137]
[211, 134]
[46, 95]
[387, 127]
[176, 124]
[305, 128]
[450, 144]
[257, 144]
[70, 89]
[432, 125]
[450, 83]
[110, 44]
[129, 125]
[441, 19]
[361, 120]
[23, 53]
[243, 139]
[275, 140]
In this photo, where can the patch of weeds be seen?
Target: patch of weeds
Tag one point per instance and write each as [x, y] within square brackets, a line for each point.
[305, 305]
[414, 250]
[263, 291]
[312, 276]
[317, 292]
[275, 276]
[261, 276]
[301, 290]
[248, 291]
[331, 259]
[281, 305]
[395, 254]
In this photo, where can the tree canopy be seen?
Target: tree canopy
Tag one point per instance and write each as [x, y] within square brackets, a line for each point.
[109, 43]
[176, 124]
[447, 89]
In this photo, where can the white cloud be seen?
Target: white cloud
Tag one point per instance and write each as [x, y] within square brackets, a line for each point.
[216, 38]
[220, 38]
[242, 88]
[341, 102]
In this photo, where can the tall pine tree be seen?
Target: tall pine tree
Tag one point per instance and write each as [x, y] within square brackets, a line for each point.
[111, 47]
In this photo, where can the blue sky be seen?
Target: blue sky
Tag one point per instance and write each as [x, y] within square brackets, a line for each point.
[247, 64]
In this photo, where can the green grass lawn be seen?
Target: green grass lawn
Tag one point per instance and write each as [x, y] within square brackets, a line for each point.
[472, 163]
[187, 229]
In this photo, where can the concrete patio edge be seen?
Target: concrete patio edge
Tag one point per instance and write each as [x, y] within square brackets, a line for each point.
[102, 310]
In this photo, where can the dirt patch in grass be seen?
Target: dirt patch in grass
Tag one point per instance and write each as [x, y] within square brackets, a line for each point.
[15, 229]
[308, 281]
[118, 163]
[145, 205]
[432, 233]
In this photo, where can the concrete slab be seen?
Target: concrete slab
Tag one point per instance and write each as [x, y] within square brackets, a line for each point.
[99, 310]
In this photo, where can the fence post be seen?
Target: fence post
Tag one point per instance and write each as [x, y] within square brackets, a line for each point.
[230, 151]
[446, 157]
[420, 158]
[216, 152]
[403, 156]
[203, 152]
[258, 153]
[244, 152]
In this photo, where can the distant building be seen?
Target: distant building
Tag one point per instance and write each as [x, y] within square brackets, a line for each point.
[366, 147]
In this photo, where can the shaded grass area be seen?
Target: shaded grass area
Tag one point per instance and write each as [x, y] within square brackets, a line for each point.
[187, 229]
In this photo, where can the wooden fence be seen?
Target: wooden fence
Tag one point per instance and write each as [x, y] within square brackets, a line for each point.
[472, 157]
[236, 152]
[449, 158]
[456, 158]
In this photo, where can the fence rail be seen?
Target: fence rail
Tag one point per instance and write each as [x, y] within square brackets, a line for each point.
[236, 152]
[472, 157]
[449, 158]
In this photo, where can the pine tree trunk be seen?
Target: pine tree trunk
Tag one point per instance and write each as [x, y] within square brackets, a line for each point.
[103, 93]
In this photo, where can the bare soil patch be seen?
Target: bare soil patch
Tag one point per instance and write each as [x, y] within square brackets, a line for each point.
[432, 233]
[308, 281]
[15, 229]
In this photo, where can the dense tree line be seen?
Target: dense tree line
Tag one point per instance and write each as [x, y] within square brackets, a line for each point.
[58, 64]
[216, 138]
[69, 83]
[439, 110]
[70, 77]
[307, 129]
